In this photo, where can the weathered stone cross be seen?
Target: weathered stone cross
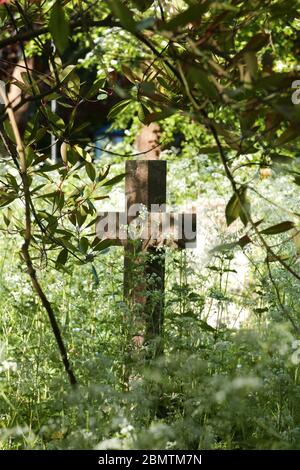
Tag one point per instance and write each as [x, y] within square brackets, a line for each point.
[144, 229]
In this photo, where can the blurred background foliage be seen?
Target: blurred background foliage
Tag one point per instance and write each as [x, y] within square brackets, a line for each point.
[218, 77]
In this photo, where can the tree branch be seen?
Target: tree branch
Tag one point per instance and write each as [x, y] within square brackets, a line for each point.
[74, 25]
[22, 167]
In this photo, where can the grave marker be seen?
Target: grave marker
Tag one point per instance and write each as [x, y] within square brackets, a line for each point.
[144, 229]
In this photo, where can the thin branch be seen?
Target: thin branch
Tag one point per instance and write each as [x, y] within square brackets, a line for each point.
[284, 310]
[34, 33]
[236, 192]
[20, 156]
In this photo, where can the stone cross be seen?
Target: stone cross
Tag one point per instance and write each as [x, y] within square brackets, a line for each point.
[144, 230]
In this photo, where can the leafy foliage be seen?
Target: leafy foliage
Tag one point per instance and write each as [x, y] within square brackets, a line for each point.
[219, 77]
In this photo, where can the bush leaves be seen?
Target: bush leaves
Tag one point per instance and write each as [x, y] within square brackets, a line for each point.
[278, 228]
[59, 27]
[238, 206]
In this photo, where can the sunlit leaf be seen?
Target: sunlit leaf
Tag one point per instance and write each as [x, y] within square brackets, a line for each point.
[118, 108]
[90, 169]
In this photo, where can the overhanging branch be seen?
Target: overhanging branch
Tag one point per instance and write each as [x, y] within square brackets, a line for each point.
[74, 25]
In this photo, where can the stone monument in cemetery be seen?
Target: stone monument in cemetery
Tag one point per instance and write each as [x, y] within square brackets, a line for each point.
[144, 229]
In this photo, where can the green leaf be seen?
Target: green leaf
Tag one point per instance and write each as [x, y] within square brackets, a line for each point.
[232, 139]
[244, 207]
[48, 168]
[118, 108]
[142, 112]
[297, 180]
[201, 78]
[66, 73]
[73, 88]
[209, 150]
[6, 197]
[81, 217]
[130, 75]
[98, 85]
[114, 180]
[223, 247]
[62, 258]
[103, 244]
[142, 5]
[207, 85]
[193, 13]
[279, 228]
[36, 136]
[59, 27]
[124, 14]
[13, 182]
[238, 206]
[54, 119]
[158, 116]
[291, 133]
[251, 63]
[232, 210]
[95, 276]
[84, 244]
[7, 217]
[282, 159]
[90, 170]
[256, 43]
[72, 219]
[206, 327]
[103, 174]
[8, 130]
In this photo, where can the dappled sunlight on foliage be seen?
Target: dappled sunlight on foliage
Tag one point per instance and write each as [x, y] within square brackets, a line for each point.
[111, 342]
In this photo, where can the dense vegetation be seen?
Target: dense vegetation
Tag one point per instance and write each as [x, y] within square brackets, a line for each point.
[220, 78]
